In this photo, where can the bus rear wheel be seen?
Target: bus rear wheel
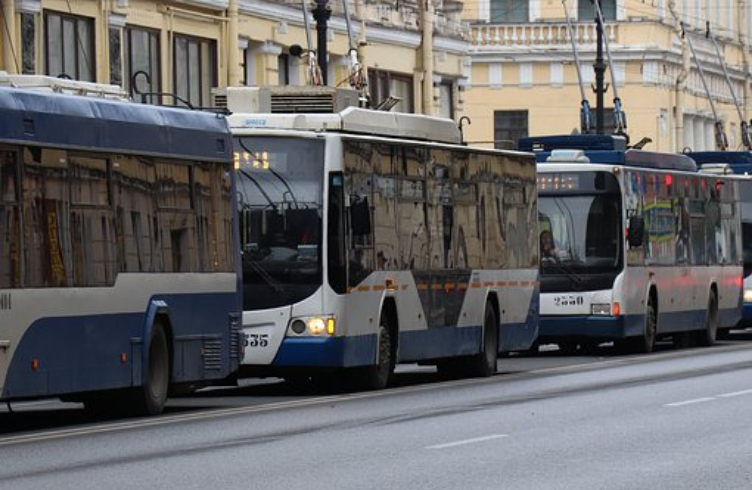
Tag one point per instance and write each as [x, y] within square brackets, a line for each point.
[708, 335]
[482, 364]
[150, 398]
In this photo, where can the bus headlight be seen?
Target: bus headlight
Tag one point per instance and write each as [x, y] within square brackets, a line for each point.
[320, 326]
[600, 309]
[748, 295]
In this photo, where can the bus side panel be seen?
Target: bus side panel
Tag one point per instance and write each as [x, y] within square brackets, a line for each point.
[98, 352]
[80, 353]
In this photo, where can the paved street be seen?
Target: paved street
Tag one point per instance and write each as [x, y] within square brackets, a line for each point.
[670, 420]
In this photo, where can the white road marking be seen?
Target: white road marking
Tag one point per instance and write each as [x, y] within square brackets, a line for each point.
[690, 402]
[735, 393]
[467, 441]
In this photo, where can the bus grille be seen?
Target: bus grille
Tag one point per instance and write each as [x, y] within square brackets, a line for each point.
[318, 103]
[212, 355]
[236, 334]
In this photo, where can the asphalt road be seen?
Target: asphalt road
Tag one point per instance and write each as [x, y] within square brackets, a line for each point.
[670, 420]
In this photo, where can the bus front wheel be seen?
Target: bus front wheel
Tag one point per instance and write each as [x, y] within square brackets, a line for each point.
[377, 377]
[645, 343]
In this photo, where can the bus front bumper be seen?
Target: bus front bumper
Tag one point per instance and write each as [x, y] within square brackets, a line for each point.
[326, 352]
[746, 321]
[591, 327]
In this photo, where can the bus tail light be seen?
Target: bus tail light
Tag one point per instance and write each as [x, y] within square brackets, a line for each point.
[616, 310]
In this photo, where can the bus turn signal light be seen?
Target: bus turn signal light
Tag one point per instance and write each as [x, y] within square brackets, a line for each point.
[616, 310]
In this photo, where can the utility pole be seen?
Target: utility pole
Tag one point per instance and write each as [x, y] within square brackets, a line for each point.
[321, 14]
[600, 72]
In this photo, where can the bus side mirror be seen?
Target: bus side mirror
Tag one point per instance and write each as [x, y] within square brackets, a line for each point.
[636, 231]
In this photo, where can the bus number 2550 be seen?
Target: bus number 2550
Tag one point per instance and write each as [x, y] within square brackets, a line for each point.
[257, 340]
[568, 300]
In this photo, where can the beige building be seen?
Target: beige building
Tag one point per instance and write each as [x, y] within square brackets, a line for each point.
[189, 47]
[523, 79]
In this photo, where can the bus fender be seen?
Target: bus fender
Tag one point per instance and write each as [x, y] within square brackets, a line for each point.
[156, 307]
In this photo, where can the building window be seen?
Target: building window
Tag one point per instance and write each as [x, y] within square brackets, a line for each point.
[141, 50]
[283, 69]
[28, 46]
[116, 64]
[586, 10]
[384, 84]
[510, 11]
[195, 69]
[69, 46]
[446, 99]
[509, 127]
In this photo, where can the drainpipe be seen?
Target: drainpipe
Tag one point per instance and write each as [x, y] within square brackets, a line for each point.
[427, 51]
[680, 80]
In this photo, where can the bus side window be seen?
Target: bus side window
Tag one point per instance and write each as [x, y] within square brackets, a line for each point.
[337, 261]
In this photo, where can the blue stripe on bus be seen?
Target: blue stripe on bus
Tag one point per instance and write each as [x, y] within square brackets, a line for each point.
[359, 350]
[746, 320]
[433, 343]
[83, 353]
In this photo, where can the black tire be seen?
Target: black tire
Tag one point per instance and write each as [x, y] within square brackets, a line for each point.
[150, 398]
[709, 334]
[378, 376]
[483, 364]
[645, 343]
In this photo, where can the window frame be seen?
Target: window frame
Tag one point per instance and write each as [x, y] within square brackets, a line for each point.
[90, 60]
[213, 55]
[127, 70]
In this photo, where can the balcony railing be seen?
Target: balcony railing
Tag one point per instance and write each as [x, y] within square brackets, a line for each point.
[504, 36]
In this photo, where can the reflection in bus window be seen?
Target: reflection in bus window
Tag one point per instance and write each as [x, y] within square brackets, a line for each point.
[279, 187]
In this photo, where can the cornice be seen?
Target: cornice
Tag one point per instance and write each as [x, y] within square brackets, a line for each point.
[374, 33]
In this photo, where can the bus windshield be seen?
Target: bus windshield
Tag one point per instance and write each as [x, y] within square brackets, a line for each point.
[279, 192]
[580, 233]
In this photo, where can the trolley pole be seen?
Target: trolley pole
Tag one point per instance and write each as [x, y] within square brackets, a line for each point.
[322, 13]
[600, 71]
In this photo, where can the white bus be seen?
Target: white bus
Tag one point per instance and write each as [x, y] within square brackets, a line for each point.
[370, 238]
[739, 163]
[635, 245]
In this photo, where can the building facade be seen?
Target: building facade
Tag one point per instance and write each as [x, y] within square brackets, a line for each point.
[524, 80]
[190, 47]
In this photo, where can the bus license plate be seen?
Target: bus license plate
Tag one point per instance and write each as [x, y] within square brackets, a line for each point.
[569, 300]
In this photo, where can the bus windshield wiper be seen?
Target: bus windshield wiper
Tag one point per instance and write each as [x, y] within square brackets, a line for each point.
[567, 271]
[275, 285]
